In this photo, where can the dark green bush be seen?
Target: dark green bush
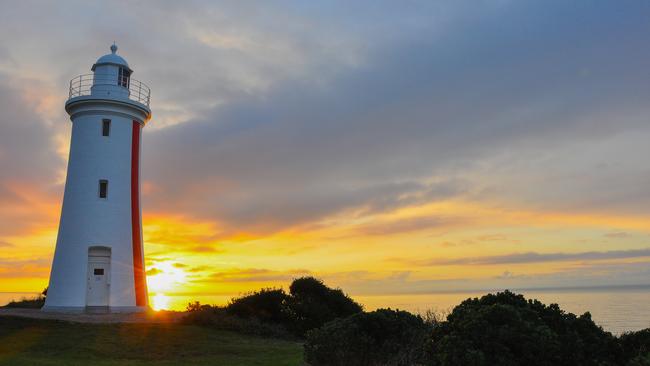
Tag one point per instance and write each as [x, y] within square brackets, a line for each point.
[311, 304]
[640, 360]
[266, 305]
[219, 318]
[497, 329]
[506, 329]
[31, 303]
[197, 306]
[636, 347]
[36, 302]
[381, 337]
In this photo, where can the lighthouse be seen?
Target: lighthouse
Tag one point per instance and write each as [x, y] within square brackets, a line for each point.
[98, 263]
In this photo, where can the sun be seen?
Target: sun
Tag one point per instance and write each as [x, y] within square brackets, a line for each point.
[160, 302]
[164, 277]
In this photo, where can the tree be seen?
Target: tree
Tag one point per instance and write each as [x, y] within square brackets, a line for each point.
[266, 305]
[381, 337]
[506, 329]
[636, 347]
[311, 304]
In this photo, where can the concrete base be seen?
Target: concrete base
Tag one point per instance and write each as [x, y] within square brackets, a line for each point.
[94, 309]
[141, 317]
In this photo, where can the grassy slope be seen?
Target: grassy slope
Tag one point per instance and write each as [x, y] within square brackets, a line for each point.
[41, 342]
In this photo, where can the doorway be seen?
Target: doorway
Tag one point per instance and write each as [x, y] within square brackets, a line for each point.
[98, 277]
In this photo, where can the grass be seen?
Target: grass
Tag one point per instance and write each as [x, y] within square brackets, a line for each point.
[47, 342]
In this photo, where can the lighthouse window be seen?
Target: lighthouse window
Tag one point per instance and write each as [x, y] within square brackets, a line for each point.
[98, 271]
[123, 77]
[106, 127]
[103, 188]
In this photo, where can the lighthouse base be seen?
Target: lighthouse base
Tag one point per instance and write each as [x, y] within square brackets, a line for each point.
[94, 309]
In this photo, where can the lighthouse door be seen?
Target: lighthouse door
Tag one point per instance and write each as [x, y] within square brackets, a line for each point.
[98, 278]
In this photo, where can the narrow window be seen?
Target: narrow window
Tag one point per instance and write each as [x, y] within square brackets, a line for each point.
[98, 271]
[123, 77]
[106, 127]
[103, 188]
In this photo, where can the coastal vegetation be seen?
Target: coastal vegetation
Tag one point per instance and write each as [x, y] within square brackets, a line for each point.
[308, 305]
[35, 302]
[317, 325]
[507, 329]
[497, 329]
[381, 337]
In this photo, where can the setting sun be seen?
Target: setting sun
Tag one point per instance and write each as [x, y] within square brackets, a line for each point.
[162, 278]
[159, 302]
[165, 276]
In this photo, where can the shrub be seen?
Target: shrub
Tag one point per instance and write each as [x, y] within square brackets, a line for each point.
[636, 347]
[506, 329]
[435, 317]
[381, 337]
[497, 329]
[311, 304]
[36, 302]
[196, 306]
[219, 318]
[266, 305]
[640, 360]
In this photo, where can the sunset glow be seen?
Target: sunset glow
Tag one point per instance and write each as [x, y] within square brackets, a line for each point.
[165, 276]
[456, 147]
[159, 302]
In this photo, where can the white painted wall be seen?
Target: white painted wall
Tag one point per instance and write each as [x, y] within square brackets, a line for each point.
[88, 220]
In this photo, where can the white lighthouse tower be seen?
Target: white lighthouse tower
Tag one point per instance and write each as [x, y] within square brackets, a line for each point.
[99, 260]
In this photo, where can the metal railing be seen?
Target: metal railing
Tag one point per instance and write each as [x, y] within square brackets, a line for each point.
[131, 88]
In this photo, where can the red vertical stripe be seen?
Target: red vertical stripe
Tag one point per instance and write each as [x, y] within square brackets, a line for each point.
[138, 260]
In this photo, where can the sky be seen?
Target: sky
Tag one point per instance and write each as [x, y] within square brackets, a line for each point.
[387, 147]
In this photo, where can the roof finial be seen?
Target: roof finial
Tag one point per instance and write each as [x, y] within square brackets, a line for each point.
[114, 47]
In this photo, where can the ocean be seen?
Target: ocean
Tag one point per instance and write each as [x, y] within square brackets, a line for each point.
[616, 309]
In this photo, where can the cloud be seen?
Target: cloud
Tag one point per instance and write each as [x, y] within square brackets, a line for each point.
[617, 235]
[278, 118]
[408, 225]
[153, 271]
[204, 249]
[408, 282]
[480, 239]
[255, 275]
[292, 118]
[506, 275]
[534, 257]
[392, 282]
[24, 268]
[586, 275]
[199, 269]
[492, 237]
[28, 167]
[467, 107]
